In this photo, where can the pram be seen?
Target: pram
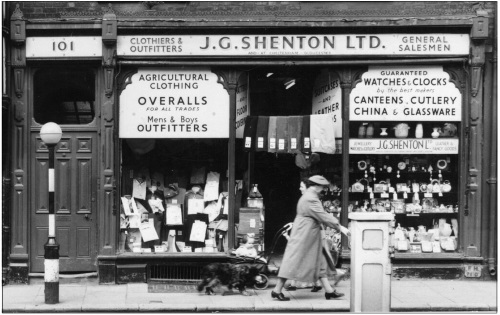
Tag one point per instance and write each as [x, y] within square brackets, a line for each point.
[257, 262]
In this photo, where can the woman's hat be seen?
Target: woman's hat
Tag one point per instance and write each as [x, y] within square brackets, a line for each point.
[320, 180]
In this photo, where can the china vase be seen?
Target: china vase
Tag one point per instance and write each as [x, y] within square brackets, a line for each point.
[419, 131]
[435, 133]
[384, 132]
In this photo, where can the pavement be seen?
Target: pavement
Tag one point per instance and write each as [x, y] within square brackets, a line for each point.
[423, 295]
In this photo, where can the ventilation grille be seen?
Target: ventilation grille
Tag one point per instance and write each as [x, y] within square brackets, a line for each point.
[175, 272]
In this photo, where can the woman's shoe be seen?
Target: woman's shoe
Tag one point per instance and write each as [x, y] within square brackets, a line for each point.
[291, 288]
[279, 296]
[316, 288]
[333, 294]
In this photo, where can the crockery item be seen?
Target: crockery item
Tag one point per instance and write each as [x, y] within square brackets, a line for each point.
[422, 229]
[435, 132]
[401, 130]
[419, 131]
[383, 133]
[446, 230]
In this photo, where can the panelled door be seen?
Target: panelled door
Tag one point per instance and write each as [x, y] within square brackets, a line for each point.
[75, 201]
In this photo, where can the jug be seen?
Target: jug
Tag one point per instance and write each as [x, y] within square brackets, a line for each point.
[401, 130]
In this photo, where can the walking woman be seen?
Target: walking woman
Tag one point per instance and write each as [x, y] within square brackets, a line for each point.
[303, 259]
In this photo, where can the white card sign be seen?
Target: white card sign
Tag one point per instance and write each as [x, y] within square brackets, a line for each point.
[410, 93]
[174, 103]
[403, 146]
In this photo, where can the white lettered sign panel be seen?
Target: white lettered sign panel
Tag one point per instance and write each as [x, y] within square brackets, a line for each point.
[327, 98]
[403, 146]
[174, 103]
[413, 93]
[242, 104]
[291, 45]
[63, 47]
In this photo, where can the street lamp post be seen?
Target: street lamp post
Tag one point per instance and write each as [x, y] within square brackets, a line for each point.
[51, 133]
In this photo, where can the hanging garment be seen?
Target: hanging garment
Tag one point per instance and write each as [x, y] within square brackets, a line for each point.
[294, 134]
[282, 134]
[262, 133]
[322, 133]
[271, 135]
[249, 133]
[306, 134]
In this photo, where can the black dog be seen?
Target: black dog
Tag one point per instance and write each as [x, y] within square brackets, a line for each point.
[231, 275]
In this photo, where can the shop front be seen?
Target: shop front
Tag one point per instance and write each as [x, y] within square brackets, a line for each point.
[178, 141]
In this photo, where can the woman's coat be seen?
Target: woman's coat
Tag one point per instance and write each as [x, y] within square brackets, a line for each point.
[303, 254]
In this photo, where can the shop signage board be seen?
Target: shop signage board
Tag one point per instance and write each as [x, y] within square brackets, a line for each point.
[242, 104]
[63, 47]
[174, 103]
[326, 99]
[295, 45]
[403, 146]
[412, 93]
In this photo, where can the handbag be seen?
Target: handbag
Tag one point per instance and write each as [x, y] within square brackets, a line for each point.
[326, 250]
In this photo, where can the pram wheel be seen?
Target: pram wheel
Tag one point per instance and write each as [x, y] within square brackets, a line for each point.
[263, 283]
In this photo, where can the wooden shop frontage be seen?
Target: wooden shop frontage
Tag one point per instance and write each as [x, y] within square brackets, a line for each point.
[187, 125]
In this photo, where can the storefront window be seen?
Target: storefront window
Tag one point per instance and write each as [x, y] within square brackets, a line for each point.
[174, 195]
[64, 96]
[174, 125]
[404, 154]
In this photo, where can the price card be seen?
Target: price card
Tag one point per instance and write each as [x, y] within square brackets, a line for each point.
[260, 142]
[281, 144]
[428, 195]
[272, 143]
[307, 143]
[248, 142]
[384, 195]
[293, 143]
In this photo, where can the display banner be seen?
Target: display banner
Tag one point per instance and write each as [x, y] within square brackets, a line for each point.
[327, 98]
[403, 146]
[242, 104]
[63, 47]
[413, 93]
[295, 45]
[174, 103]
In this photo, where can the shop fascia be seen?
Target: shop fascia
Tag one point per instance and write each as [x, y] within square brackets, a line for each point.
[438, 44]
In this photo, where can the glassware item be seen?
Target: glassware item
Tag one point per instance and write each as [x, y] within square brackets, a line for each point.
[362, 131]
[419, 131]
[435, 132]
[369, 131]
[383, 133]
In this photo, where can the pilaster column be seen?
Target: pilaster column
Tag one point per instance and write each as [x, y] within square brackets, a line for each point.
[107, 208]
[472, 211]
[229, 79]
[20, 150]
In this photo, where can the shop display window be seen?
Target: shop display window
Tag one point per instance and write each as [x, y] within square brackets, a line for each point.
[173, 196]
[64, 95]
[404, 143]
